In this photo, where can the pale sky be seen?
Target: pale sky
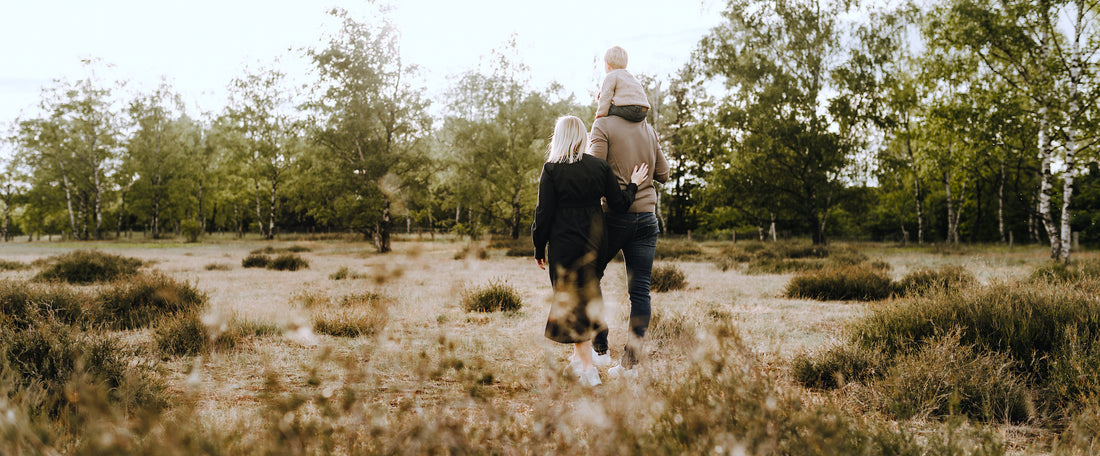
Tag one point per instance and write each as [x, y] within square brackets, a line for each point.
[200, 45]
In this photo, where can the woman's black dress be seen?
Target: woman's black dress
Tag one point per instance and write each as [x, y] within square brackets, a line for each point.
[569, 218]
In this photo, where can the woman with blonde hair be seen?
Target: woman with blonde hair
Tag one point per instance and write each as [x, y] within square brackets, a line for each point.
[569, 237]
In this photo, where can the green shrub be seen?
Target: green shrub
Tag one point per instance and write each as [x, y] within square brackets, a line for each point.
[845, 283]
[514, 247]
[256, 260]
[1056, 271]
[345, 273]
[142, 300]
[217, 267]
[778, 250]
[355, 315]
[768, 265]
[948, 278]
[273, 250]
[836, 366]
[8, 265]
[677, 250]
[946, 378]
[667, 278]
[494, 297]
[87, 266]
[44, 361]
[191, 229]
[1040, 327]
[23, 304]
[184, 334]
[476, 251]
[288, 262]
[847, 257]
[340, 274]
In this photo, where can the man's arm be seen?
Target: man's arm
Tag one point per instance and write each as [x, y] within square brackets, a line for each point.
[597, 141]
[660, 165]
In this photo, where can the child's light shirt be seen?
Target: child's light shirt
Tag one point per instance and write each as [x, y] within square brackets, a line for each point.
[621, 89]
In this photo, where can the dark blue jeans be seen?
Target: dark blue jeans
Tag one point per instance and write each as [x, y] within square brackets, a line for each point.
[635, 234]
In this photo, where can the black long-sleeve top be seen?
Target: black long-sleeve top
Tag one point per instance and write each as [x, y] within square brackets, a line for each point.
[569, 201]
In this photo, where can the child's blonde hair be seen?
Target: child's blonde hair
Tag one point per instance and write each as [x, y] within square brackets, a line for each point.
[616, 57]
[568, 143]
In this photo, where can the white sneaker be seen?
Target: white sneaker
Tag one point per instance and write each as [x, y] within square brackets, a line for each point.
[622, 372]
[589, 377]
[603, 360]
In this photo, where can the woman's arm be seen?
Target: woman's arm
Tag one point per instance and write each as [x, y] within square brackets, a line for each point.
[620, 200]
[544, 214]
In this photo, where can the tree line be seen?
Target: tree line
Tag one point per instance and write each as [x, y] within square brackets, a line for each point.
[944, 121]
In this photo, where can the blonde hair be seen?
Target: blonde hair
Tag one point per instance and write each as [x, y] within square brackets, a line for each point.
[615, 57]
[568, 143]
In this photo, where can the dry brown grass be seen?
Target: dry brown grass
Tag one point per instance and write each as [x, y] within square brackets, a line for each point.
[432, 353]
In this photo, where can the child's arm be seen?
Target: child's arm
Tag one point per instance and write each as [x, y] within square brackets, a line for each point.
[607, 90]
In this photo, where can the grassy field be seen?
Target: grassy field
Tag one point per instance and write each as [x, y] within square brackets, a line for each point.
[428, 376]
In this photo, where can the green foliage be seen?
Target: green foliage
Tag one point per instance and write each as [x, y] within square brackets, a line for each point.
[496, 296]
[87, 266]
[191, 229]
[667, 277]
[255, 260]
[142, 300]
[287, 262]
[861, 283]
[950, 278]
[836, 366]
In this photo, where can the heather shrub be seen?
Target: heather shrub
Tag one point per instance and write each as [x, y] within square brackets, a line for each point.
[269, 250]
[345, 273]
[87, 266]
[22, 304]
[40, 363]
[945, 378]
[185, 334]
[844, 283]
[287, 262]
[682, 250]
[667, 277]
[476, 251]
[356, 315]
[1057, 271]
[138, 302]
[496, 296]
[948, 278]
[1040, 328]
[256, 260]
[9, 265]
[769, 265]
[834, 367]
[514, 247]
